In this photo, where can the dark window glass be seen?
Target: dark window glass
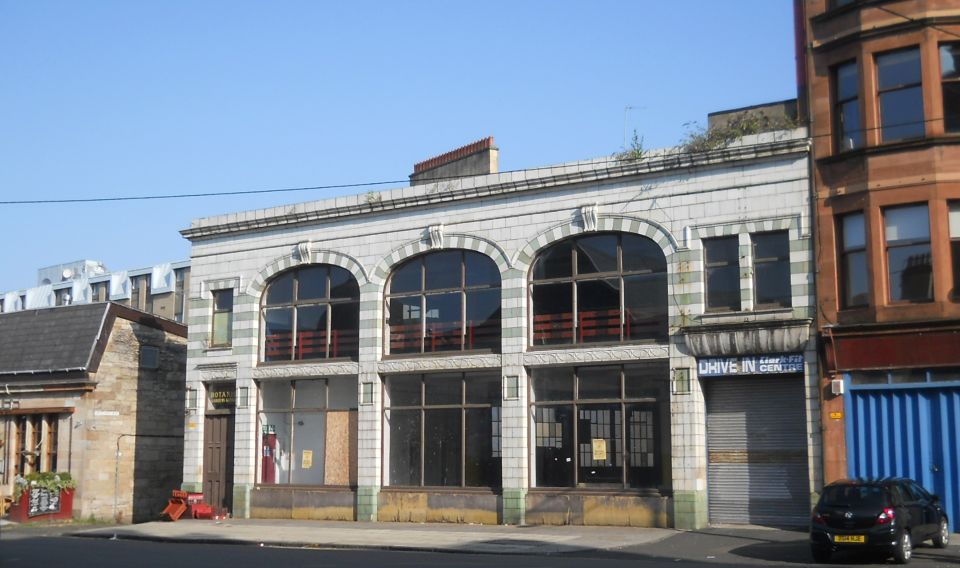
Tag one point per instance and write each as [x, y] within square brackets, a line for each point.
[483, 389]
[555, 262]
[771, 266]
[645, 302]
[954, 228]
[278, 334]
[854, 286]
[909, 263]
[598, 382]
[343, 285]
[900, 95]
[612, 304]
[950, 82]
[344, 329]
[554, 443]
[847, 107]
[444, 322]
[449, 325]
[443, 270]
[442, 389]
[442, 456]
[404, 427]
[480, 270]
[722, 257]
[461, 440]
[280, 290]
[553, 384]
[321, 302]
[641, 254]
[598, 310]
[404, 320]
[407, 278]
[619, 438]
[483, 320]
[597, 254]
[311, 332]
[404, 390]
[312, 283]
[483, 456]
[553, 313]
[854, 496]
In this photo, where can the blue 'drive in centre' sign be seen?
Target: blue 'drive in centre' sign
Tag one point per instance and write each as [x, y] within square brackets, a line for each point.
[785, 363]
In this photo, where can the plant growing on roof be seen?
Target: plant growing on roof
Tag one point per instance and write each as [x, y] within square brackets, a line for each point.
[701, 139]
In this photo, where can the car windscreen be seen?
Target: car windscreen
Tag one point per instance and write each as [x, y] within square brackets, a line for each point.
[854, 496]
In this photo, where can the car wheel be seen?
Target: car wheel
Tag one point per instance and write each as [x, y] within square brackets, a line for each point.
[904, 549]
[942, 538]
[820, 555]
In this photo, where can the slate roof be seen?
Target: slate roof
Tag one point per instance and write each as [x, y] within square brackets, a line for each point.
[50, 339]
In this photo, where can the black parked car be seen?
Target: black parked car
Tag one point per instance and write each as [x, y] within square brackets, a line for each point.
[876, 515]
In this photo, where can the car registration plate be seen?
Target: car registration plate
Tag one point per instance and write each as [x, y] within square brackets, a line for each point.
[850, 538]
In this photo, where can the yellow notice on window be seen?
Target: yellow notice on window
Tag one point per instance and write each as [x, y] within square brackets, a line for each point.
[306, 460]
[599, 450]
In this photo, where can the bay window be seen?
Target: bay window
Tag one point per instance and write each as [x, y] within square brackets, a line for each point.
[909, 263]
[854, 285]
[950, 85]
[900, 95]
[846, 87]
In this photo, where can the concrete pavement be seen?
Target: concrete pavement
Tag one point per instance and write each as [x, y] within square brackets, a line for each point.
[434, 537]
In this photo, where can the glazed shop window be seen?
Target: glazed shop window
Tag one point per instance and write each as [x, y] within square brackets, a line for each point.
[35, 444]
[950, 85]
[305, 432]
[722, 263]
[605, 426]
[444, 301]
[771, 269]
[604, 287]
[846, 89]
[909, 263]
[442, 430]
[900, 95]
[954, 221]
[312, 312]
[854, 283]
[222, 325]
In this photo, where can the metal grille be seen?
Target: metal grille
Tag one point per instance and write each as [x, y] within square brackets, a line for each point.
[757, 451]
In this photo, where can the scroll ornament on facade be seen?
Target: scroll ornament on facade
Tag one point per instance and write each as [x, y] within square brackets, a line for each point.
[303, 251]
[436, 236]
[589, 215]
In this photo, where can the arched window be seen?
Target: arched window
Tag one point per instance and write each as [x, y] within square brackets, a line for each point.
[444, 301]
[607, 287]
[312, 312]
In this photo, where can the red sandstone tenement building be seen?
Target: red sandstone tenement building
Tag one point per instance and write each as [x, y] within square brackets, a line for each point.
[882, 80]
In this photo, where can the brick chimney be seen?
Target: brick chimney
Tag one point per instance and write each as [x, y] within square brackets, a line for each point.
[476, 159]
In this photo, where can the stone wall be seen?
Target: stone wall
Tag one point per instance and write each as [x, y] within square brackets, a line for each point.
[128, 436]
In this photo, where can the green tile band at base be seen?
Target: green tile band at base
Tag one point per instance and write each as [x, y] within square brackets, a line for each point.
[241, 501]
[367, 498]
[690, 510]
[514, 507]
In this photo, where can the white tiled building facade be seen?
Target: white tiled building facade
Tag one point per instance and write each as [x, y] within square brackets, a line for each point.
[678, 201]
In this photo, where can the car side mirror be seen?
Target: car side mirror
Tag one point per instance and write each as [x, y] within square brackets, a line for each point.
[935, 498]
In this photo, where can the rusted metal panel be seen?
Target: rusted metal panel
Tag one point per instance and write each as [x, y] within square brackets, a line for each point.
[903, 350]
[445, 507]
[300, 503]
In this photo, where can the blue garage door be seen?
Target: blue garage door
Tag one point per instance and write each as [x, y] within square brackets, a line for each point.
[907, 431]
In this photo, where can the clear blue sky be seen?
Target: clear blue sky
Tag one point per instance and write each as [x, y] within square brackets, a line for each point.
[149, 97]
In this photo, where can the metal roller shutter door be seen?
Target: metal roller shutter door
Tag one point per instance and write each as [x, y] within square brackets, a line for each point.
[757, 451]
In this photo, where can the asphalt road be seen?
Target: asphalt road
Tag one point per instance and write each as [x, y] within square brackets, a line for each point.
[715, 549]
